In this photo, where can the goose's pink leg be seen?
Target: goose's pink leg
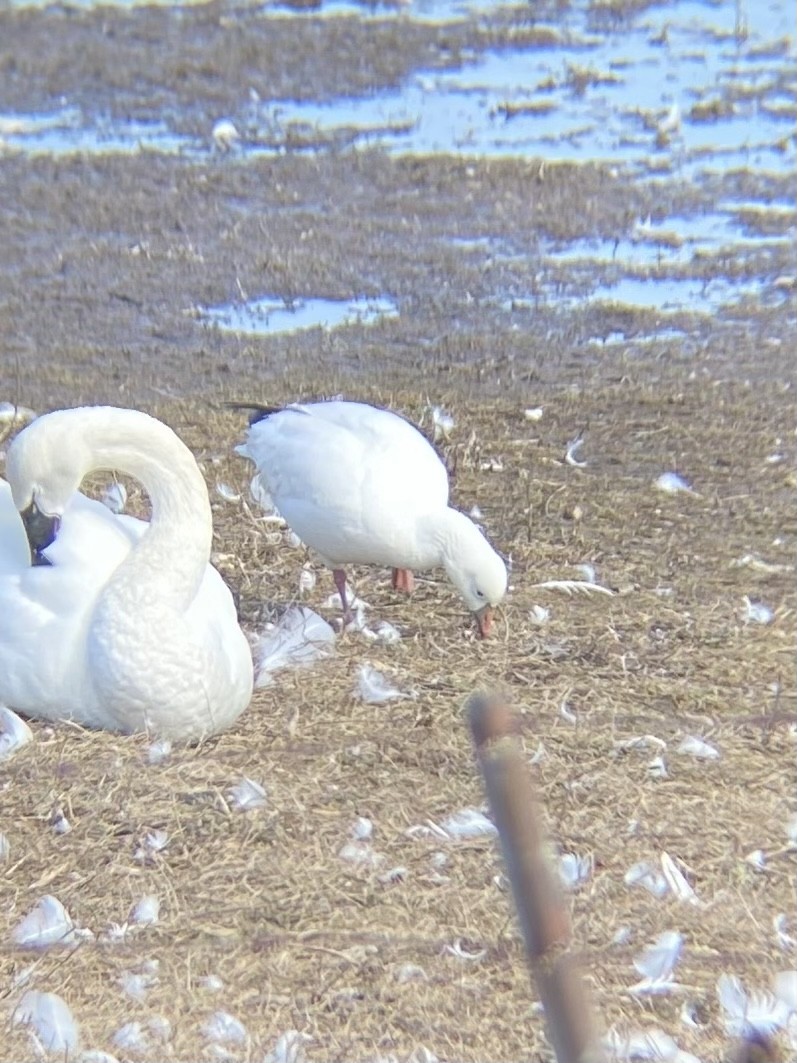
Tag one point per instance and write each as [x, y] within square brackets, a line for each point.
[339, 576]
[403, 580]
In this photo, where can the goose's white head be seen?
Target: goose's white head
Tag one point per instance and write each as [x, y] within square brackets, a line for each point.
[475, 569]
[44, 465]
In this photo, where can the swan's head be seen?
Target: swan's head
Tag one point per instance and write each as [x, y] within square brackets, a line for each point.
[44, 465]
[475, 569]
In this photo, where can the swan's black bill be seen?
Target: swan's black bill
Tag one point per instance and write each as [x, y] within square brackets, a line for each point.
[41, 531]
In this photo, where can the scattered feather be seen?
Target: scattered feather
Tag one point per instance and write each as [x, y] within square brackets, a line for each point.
[393, 876]
[96, 1055]
[657, 963]
[159, 751]
[10, 412]
[538, 755]
[539, 615]
[260, 493]
[756, 564]
[48, 923]
[475, 513]
[567, 713]
[691, 1015]
[14, 732]
[247, 795]
[145, 912]
[573, 448]
[588, 572]
[410, 972]
[780, 925]
[136, 985]
[462, 954]
[757, 859]
[640, 743]
[153, 842]
[442, 422]
[571, 586]
[657, 768]
[300, 638]
[757, 612]
[115, 497]
[492, 465]
[622, 935]
[160, 1028]
[131, 1038]
[361, 854]
[211, 982]
[757, 1012]
[115, 933]
[289, 1048]
[382, 631]
[574, 870]
[224, 134]
[307, 579]
[59, 822]
[373, 687]
[670, 483]
[221, 1026]
[5, 848]
[229, 494]
[642, 1045]
[50, 1019]
[534, 413]
[642, 874]
[697, 747]
[676, 880]
[468, 823]
[791, 831]
[363, 829]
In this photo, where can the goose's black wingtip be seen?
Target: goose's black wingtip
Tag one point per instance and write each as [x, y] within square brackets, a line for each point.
[257, 412]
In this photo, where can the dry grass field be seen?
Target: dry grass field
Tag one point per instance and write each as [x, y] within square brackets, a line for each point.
[413, 950]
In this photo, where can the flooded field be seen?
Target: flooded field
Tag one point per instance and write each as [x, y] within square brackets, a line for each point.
[571, 226]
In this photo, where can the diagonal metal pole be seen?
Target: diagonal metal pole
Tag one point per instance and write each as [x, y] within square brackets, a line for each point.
[543, 916]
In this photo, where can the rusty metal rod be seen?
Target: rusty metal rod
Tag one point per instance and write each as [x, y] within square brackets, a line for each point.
[543, 915]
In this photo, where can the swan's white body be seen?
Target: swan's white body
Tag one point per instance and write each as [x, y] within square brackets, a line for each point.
[361, 485]
[128, 628]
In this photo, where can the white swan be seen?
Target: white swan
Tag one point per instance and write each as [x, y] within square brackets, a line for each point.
[118, 623]
[361, 485]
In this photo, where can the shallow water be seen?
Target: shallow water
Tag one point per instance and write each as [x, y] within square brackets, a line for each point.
[270, 315]
[675, 92]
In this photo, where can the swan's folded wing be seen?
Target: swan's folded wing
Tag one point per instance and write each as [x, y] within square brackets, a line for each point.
[14, 549]
[93, 538]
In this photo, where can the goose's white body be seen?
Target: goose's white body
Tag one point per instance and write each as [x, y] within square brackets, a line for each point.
[128, 628]
[361, 485]
[351, 481]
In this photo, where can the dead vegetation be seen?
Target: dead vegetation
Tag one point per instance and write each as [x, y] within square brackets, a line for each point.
[359, 956]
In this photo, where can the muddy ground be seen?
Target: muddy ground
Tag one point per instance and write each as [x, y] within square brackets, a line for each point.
[103, 264]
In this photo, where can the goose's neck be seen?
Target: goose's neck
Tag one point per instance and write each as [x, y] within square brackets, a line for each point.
[440, 531]
[175, 549]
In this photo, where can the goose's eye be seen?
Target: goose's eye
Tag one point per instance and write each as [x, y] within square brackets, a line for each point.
[479, 594]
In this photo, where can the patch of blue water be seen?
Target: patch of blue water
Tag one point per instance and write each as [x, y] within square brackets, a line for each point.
[272, 315]
[66, 132]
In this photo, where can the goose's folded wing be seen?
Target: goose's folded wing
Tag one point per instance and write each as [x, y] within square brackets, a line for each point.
[341, 454]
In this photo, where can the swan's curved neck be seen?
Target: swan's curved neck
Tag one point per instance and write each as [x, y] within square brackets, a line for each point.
[176, 547]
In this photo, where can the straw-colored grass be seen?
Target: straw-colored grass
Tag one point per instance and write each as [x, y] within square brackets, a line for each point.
[356, 958]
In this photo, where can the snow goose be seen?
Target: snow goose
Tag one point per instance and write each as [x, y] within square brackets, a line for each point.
[107, 620]
[361, 485]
